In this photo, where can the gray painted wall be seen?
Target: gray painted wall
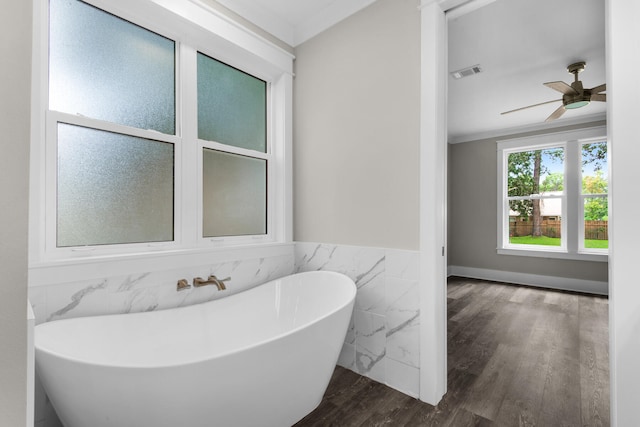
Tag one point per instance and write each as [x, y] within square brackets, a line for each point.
[472, 214]
[356, 130]
[15, 80]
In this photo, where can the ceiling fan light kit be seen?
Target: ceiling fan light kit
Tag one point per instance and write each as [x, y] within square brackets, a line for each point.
[573, 96]
[577, 102]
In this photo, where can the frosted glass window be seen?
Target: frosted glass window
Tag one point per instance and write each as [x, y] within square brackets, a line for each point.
[113, 188]
[231, 105]
[234, 194]
[104, 67]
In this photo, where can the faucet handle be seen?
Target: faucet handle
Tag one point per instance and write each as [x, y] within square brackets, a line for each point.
[182, 285]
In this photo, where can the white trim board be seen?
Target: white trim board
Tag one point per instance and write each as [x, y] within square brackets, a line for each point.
[433, 204]
[588, 121]
[550, 282]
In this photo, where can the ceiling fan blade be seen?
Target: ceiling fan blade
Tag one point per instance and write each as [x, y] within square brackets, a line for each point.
[556, 114]
[599, 89]
[531, 106]
[561, 87]
[602, 97]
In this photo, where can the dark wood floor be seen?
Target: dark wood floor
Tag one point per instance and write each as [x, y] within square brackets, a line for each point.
[518, 356]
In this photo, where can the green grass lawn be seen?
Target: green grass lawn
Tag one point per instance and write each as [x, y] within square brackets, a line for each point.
[554, 241]
[530, 240]
[596, 244]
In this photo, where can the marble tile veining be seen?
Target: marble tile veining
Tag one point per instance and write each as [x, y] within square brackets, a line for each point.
[153, 290]
[79, 301]
[131, 281]
[383, 340]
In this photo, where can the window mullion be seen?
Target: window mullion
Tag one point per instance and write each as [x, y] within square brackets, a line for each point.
[92, 123]
[573, 223]
[503, 211]
[234, 150]
[191, 162]
[50, 183]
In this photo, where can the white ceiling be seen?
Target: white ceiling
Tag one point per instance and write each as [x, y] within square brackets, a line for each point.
[519, 45]
[295, 21]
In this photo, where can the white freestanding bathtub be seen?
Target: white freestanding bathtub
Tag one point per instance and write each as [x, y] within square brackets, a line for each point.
[263, 357]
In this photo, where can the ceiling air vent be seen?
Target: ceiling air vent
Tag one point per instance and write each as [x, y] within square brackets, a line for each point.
[466, 72]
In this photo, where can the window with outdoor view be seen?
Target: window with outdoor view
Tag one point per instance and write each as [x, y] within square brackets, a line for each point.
[552, 194]
[535, 191]
[594, 194]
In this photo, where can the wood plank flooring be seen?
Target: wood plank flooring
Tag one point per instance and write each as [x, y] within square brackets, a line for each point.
[517, 356]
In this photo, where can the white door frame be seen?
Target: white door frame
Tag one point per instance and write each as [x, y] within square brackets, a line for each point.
[623, 86]
[433, 203]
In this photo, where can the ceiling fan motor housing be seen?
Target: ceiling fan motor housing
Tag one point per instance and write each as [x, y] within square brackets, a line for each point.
[581, 98]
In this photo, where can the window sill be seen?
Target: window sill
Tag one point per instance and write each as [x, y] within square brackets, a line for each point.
[555, 254]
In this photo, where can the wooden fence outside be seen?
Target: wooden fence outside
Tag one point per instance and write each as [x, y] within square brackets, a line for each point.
[596, 230]
[593, 230]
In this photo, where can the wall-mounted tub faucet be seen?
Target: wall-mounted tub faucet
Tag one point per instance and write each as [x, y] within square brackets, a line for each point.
[212, 280]
[182, 285]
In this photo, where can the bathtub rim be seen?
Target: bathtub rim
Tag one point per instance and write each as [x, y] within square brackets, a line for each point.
[195, 361]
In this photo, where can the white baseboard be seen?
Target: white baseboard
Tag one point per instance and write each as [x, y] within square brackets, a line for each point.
[552, 282]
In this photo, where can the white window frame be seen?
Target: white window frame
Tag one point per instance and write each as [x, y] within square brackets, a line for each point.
[572, 199]
[193, 26]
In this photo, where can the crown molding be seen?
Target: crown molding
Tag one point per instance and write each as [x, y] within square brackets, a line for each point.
[590, 120]
[444, 4]
[456, 8]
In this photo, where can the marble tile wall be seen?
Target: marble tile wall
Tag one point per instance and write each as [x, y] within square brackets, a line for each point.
[383, 339]
[154, 290]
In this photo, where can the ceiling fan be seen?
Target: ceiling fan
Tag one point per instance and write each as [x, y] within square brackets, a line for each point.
[573, 96]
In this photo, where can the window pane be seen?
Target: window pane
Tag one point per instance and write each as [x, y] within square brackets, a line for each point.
[235, 194]
[543, 228]
[231, 106]
[596, 223]
[104, 67]
[535, 172]
[113, 188]
[594, 168]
